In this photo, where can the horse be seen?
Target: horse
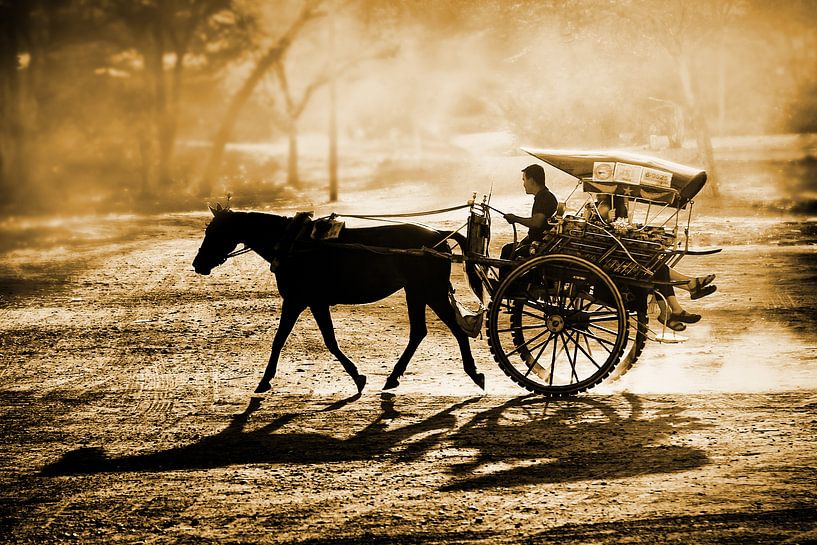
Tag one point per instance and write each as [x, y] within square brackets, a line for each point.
[362, 265]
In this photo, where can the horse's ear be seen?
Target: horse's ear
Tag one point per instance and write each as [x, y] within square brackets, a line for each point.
[213, 210]
[218, 207]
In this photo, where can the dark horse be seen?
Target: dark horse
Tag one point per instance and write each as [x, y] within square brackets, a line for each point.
[318, 274]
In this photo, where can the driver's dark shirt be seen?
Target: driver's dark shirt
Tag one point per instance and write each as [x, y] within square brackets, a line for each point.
[544, 202]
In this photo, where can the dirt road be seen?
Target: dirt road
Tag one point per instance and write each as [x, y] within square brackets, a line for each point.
[127, 412]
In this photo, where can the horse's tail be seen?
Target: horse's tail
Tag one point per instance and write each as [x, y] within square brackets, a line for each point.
[474, 280]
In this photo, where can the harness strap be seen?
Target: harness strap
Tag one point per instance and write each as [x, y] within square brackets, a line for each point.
[287, 240]
[405, 215]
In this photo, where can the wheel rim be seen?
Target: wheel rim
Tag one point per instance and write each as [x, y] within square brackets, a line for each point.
[557, 325]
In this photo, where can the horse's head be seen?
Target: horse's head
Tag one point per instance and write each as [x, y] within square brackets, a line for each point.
[220, 238]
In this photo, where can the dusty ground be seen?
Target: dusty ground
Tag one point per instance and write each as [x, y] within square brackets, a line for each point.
[128, 415]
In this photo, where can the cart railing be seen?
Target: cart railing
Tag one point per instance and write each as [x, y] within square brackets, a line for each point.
[630, 253]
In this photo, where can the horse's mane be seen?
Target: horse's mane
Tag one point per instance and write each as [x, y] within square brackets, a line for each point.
[260, 221]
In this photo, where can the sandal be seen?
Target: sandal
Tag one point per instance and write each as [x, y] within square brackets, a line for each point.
[673, 322]
[699, 292]
[699, 282]
[686, 317]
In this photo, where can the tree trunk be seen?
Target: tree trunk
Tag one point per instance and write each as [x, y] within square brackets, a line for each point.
[269, 58]
[333, 122]
[169, 122]
[13, 156]
[292, 161]
[721, 85]
[702, 135]
[333, 145]
[160, 108]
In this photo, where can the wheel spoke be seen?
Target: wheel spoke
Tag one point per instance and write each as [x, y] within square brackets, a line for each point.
[535, 360]
[589, 356]
[541, 344]
[576, 354]
[521, 328]
[536, 305]
[532, 315]
[601, 311]
[561, 294]
[599, 319]
[569, 359]
[525, 344]
[610, 331]
[599, 340]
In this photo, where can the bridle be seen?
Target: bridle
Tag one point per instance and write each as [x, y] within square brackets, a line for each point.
[234, 253]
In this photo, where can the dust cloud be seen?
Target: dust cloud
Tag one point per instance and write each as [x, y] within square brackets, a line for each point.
[102, 114]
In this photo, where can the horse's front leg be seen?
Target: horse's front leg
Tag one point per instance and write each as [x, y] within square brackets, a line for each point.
[324, 321]
[290, 310]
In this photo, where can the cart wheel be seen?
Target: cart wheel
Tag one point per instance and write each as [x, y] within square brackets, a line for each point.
[557, 325]
[636, 341]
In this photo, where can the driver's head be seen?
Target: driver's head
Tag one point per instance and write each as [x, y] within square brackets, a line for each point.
[533, 179]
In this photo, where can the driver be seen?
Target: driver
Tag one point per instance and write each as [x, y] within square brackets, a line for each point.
[544, 207]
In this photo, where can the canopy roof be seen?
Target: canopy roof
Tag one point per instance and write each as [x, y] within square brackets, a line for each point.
[625, 173]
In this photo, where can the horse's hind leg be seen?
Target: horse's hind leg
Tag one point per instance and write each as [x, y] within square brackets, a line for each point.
[418, 331]
[324, 321]
[290, 310]
[442, 308]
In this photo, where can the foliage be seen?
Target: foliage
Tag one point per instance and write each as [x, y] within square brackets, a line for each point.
[120, 98]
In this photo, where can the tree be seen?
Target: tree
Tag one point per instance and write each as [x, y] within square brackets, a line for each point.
[171, 29]
[268, 59]
[294, 106]
[682, 29]
[13, 168]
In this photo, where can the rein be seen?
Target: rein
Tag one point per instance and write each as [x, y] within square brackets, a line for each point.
[234, 253]
[385, 217]
[405, 215]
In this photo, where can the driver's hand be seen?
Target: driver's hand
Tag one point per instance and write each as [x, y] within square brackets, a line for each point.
[510, 218]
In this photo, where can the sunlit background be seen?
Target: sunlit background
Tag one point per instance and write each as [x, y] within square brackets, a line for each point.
[119, 105]
[122, 120]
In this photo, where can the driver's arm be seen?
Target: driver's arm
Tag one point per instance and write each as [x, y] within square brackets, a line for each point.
[537, 221]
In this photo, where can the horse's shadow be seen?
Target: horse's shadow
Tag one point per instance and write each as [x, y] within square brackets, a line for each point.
[236, 445]
[526, 440]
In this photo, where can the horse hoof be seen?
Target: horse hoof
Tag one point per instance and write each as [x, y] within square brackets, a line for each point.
[262, 387]
[479, 379]
[391, 383]
[360, 381]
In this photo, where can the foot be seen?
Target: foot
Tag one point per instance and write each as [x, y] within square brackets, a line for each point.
[263, 386]
[703, 291]
[687, 317]
[672, 322]
[391, 383]
[699, 282]
[479, 380]
[360, 382]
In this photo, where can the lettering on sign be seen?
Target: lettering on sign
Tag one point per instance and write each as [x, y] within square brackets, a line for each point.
[657, 177]
[628, 174]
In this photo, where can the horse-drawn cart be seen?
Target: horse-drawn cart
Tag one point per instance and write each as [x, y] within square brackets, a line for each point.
[564, 314]
[574, 311]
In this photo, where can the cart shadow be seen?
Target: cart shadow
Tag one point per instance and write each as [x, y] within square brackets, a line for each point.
[530, 441]
[523, 441]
